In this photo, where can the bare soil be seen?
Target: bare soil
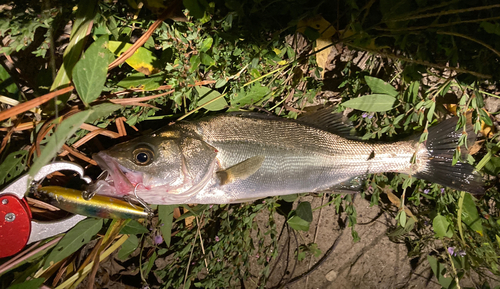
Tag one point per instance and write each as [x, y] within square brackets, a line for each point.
[373, 262]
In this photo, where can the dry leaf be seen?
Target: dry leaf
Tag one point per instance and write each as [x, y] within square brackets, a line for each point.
[326, 30]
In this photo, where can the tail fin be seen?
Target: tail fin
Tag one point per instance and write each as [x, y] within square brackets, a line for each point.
[441, 143]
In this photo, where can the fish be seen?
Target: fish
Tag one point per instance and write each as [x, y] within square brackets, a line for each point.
[244, 156]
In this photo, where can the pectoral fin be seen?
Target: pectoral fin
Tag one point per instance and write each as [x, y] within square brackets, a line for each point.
[240, 171]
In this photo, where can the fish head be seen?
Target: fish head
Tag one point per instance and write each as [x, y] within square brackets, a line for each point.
[147, 163]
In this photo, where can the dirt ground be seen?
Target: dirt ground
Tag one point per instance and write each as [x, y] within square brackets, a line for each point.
[373, 262]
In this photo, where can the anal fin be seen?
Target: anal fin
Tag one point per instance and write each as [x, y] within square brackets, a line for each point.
[350, 186]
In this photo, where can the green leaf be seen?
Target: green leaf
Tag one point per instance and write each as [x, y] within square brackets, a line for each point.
[13, 165]
[207, 44]
[83, 22]
[371, 103]
[31, 284]
[134, 227]
[139, 80]
[78, 236]
[220, 83]
[402, 219]
[102, 110]
[492, 167]
[63, 131]
[7, 84]
[410, 224]
[184, 216]
[206, 94]
[311, 33]
[255, 93]
[484, 161]
[304, 211]
[301, 256]
[491, 28]
[143, 60]
[89, 74]
[113, 28]
[195, 62]
[128, 247]
[289, 198]
[206, 59]
[439, 270]
[165, 219]
[470, 216]
[413, 91]
[298, 223]
[430, 113]
[378, 86]
[195, 7]
[441, 227]
[485, 117]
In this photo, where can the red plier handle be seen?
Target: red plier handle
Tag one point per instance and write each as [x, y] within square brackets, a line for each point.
[17, 229]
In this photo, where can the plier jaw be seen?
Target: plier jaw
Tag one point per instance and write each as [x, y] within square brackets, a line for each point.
[17, 228]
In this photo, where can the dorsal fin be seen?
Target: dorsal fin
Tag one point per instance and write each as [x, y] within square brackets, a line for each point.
[334, 122]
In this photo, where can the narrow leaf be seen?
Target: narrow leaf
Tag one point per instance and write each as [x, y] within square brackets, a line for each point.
[372, 103]
[63, 131]
[378, 86]
[150, 264]
[102, 110]
[165, 219]
[80, 235]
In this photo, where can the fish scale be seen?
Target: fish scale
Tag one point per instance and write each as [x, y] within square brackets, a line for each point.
[297, 158]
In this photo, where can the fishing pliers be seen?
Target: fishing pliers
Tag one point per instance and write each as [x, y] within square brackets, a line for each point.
[17, 228]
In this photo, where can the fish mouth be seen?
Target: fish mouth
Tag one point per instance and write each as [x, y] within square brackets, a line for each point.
[118, 181]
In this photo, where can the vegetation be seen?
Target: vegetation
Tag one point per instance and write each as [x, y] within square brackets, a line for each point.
[76, 74]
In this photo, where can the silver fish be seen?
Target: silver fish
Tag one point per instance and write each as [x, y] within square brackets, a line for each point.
[238, 157]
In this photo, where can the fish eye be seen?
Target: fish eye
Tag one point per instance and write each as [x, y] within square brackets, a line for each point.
[143, 155]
